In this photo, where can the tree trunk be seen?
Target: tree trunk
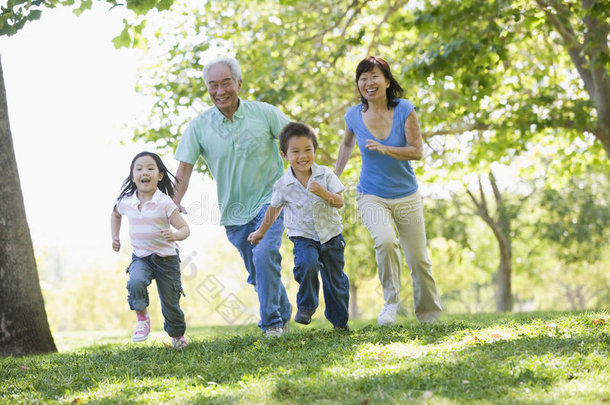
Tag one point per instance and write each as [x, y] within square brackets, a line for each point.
[603, 134]
[504, 301]
[24, 328]
[354, 312]
[500, 226]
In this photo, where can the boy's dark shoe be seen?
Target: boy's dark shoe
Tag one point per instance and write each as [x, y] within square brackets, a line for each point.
[303, 317]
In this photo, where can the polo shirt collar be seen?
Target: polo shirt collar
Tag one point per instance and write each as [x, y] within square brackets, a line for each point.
[239, 113]
[316, 171]
[134, 201]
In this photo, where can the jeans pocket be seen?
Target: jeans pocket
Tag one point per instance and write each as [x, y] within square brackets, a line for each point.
[234, 234]
[341, 241]
[178, 288]
[336, 243]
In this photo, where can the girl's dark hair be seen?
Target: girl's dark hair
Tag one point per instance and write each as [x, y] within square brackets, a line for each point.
[297, 129]
[165, 184]
[393, 92]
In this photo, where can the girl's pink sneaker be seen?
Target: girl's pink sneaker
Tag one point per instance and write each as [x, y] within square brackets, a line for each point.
[179, 342]
[142, 331]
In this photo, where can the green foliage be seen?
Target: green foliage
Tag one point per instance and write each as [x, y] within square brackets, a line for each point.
[558, 232]
[16, 13]
[499, 88]
[577, 219]
[130, 36]
[464, 275]
[531, 358]
[298, 56]
[509, 75]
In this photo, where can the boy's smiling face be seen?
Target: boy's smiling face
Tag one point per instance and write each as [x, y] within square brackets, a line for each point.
[300, 153]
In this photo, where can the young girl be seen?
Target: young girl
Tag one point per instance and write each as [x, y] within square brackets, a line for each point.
[145, 199]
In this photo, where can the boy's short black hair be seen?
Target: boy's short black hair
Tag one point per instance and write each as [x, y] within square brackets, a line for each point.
[297, 129]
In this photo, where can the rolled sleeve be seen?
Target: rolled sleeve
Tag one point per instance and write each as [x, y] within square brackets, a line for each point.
[278, 198]
[334, 184]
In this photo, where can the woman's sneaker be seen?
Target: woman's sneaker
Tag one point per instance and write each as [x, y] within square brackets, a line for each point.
[275, 331]
[142, 331]
[179, 342]
[388, 314]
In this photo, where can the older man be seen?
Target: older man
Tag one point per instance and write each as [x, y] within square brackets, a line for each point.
[238, 141]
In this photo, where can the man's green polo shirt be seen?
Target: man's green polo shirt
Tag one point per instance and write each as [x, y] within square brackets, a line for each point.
[242, 155]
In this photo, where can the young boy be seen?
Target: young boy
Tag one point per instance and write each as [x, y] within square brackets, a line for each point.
[311, 195]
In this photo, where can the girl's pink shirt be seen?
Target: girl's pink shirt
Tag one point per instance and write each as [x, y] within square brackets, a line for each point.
[145, 224]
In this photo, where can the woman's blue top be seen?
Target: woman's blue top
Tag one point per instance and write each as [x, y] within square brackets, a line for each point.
[382, 175]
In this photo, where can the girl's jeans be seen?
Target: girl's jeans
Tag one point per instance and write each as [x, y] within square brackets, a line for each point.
[311, 257]
[380, 216]
[166, 270]
[264, 265]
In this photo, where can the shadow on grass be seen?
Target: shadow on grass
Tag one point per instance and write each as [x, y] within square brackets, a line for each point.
[308, 365]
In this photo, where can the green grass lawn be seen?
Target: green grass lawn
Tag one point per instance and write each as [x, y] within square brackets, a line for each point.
[534, 358]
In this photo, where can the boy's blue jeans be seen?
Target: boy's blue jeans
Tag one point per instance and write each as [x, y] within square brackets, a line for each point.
[264, 265]
[311, 256]
[166, 270]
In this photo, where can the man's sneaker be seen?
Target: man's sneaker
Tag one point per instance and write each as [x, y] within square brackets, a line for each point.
[179, 342]
[275, 331]
[387, 316]
[303, 316]
[142, 331]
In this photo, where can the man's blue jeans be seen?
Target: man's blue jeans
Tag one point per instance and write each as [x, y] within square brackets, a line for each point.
[166, 271]
[264, 265]
[311, 256]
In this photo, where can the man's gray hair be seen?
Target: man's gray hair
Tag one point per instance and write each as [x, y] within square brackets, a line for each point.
[232, 63]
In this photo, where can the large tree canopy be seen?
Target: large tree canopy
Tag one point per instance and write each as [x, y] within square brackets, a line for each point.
[492, 80]
[503, 71]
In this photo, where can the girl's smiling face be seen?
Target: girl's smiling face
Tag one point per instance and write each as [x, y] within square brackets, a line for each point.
[146, 174]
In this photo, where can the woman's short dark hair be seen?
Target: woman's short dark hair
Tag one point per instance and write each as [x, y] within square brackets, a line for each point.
[297, 129]
[393, 92]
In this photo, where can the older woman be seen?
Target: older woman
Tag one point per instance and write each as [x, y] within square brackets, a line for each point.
[386, 129]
